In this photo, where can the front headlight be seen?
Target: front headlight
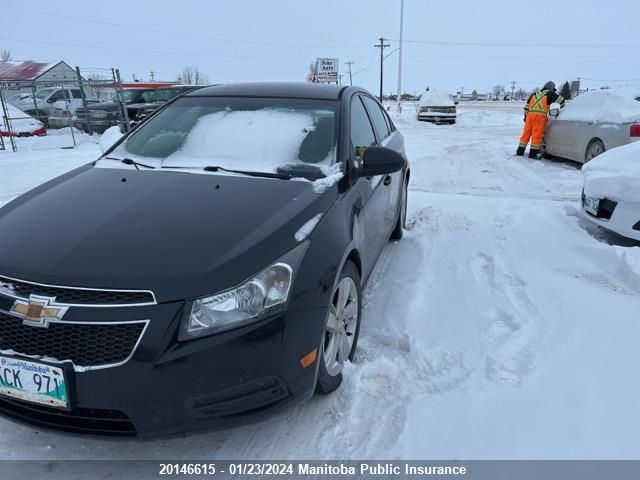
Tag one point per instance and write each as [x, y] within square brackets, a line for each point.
[261, 295]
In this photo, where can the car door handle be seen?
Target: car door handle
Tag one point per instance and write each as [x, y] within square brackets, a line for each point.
[387, 180]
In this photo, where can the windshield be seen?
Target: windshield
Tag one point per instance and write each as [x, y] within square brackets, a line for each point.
[42, 94]
[249, 134]
[131, 95]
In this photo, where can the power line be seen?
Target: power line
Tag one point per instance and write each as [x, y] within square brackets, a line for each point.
[164, 52]
[520, 44]
[169, 32]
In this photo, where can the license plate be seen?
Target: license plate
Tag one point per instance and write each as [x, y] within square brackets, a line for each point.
[33, 382]
[591, 205]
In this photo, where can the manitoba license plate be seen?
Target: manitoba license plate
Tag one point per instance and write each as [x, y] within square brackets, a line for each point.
[33, 382]
[591, 205]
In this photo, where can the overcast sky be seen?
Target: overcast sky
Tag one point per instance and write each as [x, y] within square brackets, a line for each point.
[448, 45]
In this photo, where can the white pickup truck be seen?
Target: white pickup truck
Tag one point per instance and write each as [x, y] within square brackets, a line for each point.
[41, 106]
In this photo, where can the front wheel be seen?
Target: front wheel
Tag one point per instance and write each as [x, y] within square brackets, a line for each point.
[340, 337]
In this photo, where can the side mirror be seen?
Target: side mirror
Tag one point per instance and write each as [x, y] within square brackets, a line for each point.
[51, 100]
[380, 161]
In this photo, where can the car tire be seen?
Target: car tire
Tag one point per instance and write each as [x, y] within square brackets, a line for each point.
[595, 148]
[398, 230]
[340, 337]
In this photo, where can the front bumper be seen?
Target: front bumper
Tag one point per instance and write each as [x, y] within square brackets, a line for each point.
[59, 122]
[623, 218]
[167, 387]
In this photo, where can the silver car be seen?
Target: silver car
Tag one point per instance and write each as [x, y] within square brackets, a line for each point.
[593, 123]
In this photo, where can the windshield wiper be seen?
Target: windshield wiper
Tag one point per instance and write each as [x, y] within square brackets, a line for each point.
[210, 168]
[128, 161]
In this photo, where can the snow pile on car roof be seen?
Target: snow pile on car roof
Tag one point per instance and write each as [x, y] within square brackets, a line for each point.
[614, 174]
[259, 140]
[609, 106]
[20, 121]
[436, 98]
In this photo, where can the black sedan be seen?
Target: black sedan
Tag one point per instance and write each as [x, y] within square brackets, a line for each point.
[207, 270]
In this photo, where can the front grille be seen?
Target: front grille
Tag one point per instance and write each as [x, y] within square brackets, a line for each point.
[443, 109]
[80, 420]
[85, 344]
[75, 296]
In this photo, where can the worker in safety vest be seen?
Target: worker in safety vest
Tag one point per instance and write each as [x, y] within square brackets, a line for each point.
[535, 118]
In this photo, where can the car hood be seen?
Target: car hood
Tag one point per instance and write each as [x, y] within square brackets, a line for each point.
[181, 235]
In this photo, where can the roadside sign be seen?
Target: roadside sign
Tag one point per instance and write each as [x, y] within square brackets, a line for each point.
[327, 70]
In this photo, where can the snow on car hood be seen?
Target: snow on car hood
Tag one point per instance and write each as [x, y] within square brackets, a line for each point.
[608, 106]
[436, 98]
[614, 174]
[20, 121]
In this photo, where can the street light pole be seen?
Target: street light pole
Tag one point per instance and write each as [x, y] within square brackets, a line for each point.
[350, 77]
[400, 59]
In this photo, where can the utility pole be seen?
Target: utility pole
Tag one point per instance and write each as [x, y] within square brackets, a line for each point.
[400, 59]
[513, 87]
[381, 46]
[152, 74]
[350, 77]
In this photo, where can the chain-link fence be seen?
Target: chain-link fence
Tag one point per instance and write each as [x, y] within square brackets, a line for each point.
[38, 115]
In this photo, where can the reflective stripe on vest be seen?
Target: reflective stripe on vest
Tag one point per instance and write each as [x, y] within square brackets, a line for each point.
[539, 104]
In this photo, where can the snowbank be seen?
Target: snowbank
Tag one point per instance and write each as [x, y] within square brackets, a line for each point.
[609, 106]
[436, 98]
[614, 174]
[486, 118]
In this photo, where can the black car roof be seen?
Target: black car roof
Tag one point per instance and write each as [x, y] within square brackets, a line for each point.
[273, 89]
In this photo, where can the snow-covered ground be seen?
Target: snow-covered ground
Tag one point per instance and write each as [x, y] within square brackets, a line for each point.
[501, 327]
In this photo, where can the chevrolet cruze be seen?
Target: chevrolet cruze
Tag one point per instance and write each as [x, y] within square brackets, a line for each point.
[205, 271]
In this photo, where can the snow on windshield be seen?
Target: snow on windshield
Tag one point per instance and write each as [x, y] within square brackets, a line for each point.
[614, 174]
[259, 140]
[609, 106]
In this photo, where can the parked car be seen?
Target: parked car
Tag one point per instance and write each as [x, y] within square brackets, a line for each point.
[593, 123]
[22, 124]
[139, 102]
[63, 111]
[40, 106]
[210, 264]
[611, 193]
[437, 107]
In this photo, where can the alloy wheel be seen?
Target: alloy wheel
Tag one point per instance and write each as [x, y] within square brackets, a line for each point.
[341, 326]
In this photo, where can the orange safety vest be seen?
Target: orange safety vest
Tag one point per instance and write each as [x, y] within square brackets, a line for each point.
[538, 103]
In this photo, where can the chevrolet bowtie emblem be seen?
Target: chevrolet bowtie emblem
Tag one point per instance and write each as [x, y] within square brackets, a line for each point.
[38, 311]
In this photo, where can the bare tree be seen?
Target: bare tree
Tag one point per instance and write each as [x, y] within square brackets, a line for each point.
[192, 76]
[5, 55]
[497, 91]
[101, 85]
[520, 94]
[312, 72]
